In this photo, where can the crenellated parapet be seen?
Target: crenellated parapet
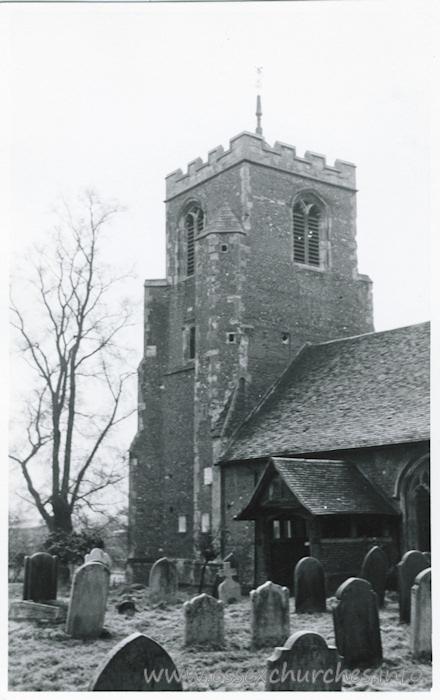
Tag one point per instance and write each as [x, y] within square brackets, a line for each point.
[253, 148]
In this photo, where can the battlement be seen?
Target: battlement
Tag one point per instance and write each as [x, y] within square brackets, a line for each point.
[253, 148]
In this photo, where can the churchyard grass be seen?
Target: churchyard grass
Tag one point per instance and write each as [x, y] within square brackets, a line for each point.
[44, 658]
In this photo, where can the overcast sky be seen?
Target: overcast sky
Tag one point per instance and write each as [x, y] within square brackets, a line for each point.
[115, 96]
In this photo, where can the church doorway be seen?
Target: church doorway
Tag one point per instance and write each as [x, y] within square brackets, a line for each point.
[288, 543]
[416, 495]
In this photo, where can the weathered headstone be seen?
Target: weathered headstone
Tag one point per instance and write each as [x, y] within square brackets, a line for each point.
[163, 581]
[100, 556]
[421, 615]
[356, 622]
[137, 663]
[270, 623]
[233, 561]
[40, 577]
[413, 562]
[309, 586]
[88, 598]
[374, 569]
[28, 610]
[428, 557]
[306, 663]
[204, 621]
[229, 590]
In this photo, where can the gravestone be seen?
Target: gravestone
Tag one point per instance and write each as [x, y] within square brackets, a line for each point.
[356, 622]
[204, 621]
[98, 555]
[28, 610]
[137, 663]
[88, 598]
[40, 577]
[374, 569]
[413, 562]
[163, 581]
[304, 663]
[309, 586]
[421, 615]
[219, 578]
[229, 590]
[270, 623]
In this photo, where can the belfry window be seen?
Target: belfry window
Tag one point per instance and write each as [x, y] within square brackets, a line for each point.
[306, 224]
[193, 226]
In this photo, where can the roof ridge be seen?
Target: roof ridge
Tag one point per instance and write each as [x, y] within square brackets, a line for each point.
[364, 335]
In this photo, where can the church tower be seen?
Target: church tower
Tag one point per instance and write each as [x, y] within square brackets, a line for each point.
[261, 259]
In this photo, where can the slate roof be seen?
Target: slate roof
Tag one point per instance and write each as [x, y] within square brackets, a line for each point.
[223, 221]
[323, 487]
[355, 392]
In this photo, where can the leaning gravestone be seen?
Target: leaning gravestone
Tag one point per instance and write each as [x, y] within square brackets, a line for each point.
[309, 586]
[28, 610]
[137, 663]
[421, 615]
[305, 662]
[356, 622]
[98, 555]
[204, 621]
[270, 623]
[413, 562]
[374, 569]
[229, 590]
[88, 598]
[40, 577]
[163, 581]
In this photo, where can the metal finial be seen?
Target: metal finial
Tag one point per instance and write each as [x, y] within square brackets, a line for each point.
[259, 113]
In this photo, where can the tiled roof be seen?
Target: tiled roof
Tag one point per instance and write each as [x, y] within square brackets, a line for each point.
[331, 486]
[323, 487]
[363, 391]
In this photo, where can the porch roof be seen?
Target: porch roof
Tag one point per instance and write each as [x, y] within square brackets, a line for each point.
[323, 487]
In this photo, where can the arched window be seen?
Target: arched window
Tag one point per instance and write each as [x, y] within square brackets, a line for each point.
[415, 500]
[193, 226]
[306, 226]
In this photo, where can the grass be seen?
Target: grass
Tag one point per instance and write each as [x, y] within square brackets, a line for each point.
[44, 658]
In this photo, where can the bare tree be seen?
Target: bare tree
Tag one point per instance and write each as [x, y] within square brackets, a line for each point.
[71, 338]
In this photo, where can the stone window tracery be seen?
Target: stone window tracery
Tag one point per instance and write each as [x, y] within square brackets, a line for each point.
[307, 216]
[194, 220]
[416, 506]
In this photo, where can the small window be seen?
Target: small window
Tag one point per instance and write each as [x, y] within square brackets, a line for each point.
[276, 529]
[182, 524]
[205, 522]
[192, 343]
[207, 476]
[189, 342]
[288, 529]
[306, 227]
[224, 248]
[193, 226]
[231, 338]
[285, 337]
